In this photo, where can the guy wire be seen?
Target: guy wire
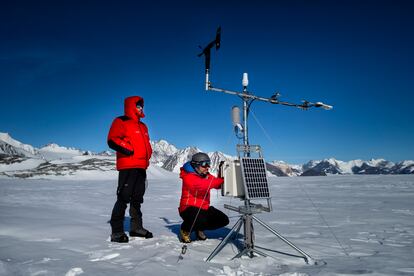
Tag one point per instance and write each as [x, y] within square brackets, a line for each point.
[323, 219]
[263, 129]
[302, 188]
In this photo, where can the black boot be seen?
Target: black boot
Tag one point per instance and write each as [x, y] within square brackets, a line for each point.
[143, 233]
[119, 237]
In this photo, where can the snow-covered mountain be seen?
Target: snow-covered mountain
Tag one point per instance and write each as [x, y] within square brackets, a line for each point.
[175, 161]
[281, 168]
[24, 161]
[21, 160]
[373, 166]
[216, 157]
[404, 167]
[53, 151]
[9, 146]
[170, 158]
[161, 152]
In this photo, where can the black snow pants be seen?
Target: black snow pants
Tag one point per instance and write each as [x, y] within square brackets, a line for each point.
[209, 219]
[131, 189]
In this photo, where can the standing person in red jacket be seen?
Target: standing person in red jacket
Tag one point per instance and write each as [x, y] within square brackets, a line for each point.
[128, 136]
[195, 207]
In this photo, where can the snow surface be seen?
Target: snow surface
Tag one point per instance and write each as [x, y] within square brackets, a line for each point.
[24, 165]
[358, 225]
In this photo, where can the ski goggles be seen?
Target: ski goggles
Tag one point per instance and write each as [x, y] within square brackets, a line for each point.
[140, 104]
[204, 164]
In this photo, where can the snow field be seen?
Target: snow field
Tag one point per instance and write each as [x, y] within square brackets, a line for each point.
[358, 225]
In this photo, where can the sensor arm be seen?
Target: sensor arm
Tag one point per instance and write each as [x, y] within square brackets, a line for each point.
[305, 105]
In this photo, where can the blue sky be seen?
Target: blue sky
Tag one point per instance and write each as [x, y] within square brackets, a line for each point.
[66, 66]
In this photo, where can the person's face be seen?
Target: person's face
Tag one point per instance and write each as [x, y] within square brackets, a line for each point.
[139, 110]
[203, 169]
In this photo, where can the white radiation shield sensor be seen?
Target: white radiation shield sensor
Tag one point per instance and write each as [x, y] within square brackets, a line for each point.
[235, 117]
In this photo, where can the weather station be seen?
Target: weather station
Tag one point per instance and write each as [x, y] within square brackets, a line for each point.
[246, 177]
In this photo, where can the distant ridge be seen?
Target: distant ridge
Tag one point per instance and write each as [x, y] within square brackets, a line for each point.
[22, 160]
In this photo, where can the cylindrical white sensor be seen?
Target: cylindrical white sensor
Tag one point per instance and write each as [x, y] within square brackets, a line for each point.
[235, 115]
[245, 81]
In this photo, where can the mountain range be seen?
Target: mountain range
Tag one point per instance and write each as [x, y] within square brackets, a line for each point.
[22, 160]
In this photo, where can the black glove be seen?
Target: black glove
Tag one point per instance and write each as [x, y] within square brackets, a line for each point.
[219, 168]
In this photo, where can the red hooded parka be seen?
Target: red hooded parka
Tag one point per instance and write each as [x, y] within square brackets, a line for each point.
[128, 136]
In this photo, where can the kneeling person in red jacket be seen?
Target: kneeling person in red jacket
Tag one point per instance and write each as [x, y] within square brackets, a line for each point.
[128, 136]
[195, 207]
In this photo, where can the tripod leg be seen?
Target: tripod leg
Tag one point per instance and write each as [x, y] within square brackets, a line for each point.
[241, 253]
[249, 252]
[307, 258]
[238, 230]
[224, 241]
[260, 253]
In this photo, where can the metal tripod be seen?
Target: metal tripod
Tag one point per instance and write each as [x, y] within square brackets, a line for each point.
[246, 220]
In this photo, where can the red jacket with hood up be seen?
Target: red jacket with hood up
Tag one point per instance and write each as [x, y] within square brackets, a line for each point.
[129, 137]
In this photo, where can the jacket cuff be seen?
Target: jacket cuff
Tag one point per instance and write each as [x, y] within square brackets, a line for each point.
[119, 148]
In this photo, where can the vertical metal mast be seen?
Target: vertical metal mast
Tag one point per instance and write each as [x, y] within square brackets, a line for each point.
[245, 83]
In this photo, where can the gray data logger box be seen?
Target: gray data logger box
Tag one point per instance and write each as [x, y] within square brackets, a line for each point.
[233, 182]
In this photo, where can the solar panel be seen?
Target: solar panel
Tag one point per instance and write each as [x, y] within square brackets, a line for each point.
[255, 179]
